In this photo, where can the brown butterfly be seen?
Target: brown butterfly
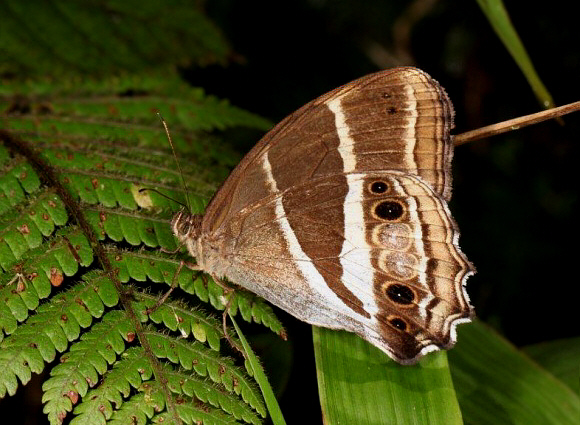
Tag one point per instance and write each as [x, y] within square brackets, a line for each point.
[339, 216]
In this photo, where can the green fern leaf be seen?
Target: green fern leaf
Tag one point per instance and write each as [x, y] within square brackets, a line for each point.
[43, 252]
[81, 367]
[212, 394]
[183, 318]
[72, 39]
[207, 363]
[80, 243]
[52, 327]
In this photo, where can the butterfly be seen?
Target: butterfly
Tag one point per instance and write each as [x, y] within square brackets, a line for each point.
[339, 216]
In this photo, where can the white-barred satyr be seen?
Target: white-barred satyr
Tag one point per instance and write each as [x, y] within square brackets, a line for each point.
[339, 216]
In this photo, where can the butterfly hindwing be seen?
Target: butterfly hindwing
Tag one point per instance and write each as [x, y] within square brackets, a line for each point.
[391, 271]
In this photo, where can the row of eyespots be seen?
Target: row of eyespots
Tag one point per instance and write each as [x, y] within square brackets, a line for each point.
[399, 293]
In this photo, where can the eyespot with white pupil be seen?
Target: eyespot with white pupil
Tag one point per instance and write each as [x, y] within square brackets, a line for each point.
[400, 294]
[379, 187]
[397, 323]
[389, 210]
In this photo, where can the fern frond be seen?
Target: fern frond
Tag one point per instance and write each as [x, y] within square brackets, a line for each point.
[54, 325]
[142, 265]
[141, 407]
[73, 40]
[22, 227]
[116, 393]
[84, 363]
[58, 291]
[189, 321]
[32, 279]
[192, 386]
[80, 257]
[208, 363]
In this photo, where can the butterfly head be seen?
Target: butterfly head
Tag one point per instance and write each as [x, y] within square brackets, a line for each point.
[186, 227]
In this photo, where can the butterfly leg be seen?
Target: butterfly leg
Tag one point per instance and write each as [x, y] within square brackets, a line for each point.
[172, 251]
[162, 299]
[228, 292]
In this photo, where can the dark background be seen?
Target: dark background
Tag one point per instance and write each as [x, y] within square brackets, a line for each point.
[515, 196]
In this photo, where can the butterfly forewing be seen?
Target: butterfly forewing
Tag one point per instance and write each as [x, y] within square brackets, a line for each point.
[397, 119]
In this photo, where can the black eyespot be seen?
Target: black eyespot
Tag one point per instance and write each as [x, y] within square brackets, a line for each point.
[379, 187]
[391, 110]
[398, 323]
[400, 294]
[387, 95]
[389, 210]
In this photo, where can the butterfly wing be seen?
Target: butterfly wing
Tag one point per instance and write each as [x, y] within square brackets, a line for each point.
[398, 119]
[339, 216]
[392, 273]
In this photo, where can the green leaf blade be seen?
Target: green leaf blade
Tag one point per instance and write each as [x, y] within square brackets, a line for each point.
[359, 384]
[499, 19]
[559, 357]
[497, 384]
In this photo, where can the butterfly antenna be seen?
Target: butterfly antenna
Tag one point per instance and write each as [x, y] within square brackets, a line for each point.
[143, 189]
[187, 204]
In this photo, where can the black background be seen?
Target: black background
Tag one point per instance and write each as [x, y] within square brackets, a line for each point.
[515, 196]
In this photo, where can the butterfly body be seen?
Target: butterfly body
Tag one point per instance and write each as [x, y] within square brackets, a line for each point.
[339, 216]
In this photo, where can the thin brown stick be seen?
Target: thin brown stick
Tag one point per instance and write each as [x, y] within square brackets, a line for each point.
[514, 124]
